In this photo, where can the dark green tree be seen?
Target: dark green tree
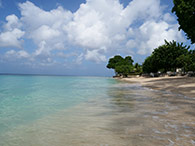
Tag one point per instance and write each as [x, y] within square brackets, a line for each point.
[122, 66]
[150, 65]
[113, 62]
[185, 11]
[187, 61]
[128, 60]
[137, 68]
[164, 58]
[192, 64]
[124, 70]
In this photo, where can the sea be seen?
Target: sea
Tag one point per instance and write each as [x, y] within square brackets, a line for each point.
[91, 111]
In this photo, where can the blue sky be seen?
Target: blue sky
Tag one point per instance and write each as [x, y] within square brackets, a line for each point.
[78, 37]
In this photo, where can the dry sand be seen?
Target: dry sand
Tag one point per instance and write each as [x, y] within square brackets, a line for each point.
[178, 84]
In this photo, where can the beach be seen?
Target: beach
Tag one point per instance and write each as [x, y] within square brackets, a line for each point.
[178, 84]
[93, 111]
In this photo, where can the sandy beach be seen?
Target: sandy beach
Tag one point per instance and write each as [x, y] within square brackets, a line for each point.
[178, 84]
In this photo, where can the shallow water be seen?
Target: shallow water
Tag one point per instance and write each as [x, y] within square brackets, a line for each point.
[85, 111]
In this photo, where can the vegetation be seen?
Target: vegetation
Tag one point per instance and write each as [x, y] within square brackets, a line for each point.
[185, 11]
[123, 66]
[187, 62]
[168, 57]
[149, 65]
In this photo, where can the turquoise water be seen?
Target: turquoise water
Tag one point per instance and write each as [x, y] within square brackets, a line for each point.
[91, 111]
[25, 99]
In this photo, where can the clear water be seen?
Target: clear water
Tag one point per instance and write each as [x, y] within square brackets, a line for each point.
[25, 99]
[74, 111]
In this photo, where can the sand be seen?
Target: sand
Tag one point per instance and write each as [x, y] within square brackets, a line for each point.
[177, 84]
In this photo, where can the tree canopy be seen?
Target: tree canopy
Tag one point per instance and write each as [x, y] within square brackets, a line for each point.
[165, 57]
[187, 61]
[185, 11]
[122, 66]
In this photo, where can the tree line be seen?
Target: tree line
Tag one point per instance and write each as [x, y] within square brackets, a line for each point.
[167, 57]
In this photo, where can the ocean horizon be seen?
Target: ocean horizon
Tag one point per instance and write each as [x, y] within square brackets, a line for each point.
[60, 75]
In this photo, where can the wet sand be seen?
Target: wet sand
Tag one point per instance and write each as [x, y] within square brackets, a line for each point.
[179, 85]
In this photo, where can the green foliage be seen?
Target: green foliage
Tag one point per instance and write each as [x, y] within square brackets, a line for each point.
[113, 62]
[128, 60]
[164, 57]
[122, 66]
[124, 69]
[149, 65]
[137, 68]
[187, 61]
[185, 11]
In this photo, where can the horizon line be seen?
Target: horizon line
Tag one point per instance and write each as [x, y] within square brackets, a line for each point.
[39, 74]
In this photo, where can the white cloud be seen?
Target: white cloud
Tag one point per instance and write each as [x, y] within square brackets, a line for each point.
[137, 9]
[20, 54]
[12, 34]
[11, 38]
[44, 33]
[106, 23]
[152, 34]
[34, 17]
[0, 3]
[94, 55]
[168, 18]
[12, 22]
[99, 27]
[45, 27]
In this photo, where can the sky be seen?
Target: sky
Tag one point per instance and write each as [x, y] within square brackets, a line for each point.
[77, 37]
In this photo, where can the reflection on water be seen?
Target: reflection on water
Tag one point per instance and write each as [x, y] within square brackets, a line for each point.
[125, 115]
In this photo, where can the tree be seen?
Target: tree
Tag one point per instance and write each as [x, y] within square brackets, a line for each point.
[128, 60]
[122, 66]
[149, 65]
[164, 57]
[192, 64]
[113, 62]
[124, 70]
[187, 61]
[185, 11]
[137, 68]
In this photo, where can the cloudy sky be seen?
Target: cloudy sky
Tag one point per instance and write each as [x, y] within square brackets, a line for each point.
[77, 37]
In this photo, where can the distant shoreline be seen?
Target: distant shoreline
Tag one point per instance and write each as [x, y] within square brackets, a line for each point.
[178, 84]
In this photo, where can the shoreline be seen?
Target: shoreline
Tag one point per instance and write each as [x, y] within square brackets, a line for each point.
[178, 84]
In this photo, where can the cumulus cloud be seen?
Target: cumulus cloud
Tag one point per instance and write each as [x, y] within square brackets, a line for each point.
[11, 38]
[12, 22]
[12, 34]
[45, 27]
[99, 27]
[152, 34]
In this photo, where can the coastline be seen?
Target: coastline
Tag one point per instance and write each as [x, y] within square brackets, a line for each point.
[178, 84]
